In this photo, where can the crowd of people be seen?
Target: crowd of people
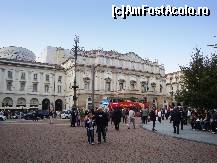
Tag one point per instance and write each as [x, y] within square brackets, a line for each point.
[199, 119]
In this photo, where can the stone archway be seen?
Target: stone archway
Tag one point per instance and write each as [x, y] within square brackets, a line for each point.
[7, 101]
[58, 105]
[46, 104]
[21, 102]
[34, 103]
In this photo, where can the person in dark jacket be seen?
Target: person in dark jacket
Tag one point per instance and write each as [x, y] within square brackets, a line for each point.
[152, 115]
[176, 118]
[182, 117]
[89, 125]
[73, 116]
[101, 120]
[116, 117]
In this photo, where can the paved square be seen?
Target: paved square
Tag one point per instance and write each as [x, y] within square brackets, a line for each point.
[41, 142]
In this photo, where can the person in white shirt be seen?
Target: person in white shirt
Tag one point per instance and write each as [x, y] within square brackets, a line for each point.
[159, 115]
[131, 118]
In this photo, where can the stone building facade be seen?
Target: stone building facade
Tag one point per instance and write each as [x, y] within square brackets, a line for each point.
[116, 75]
[111, 73]
[26, 84]
[173, 85]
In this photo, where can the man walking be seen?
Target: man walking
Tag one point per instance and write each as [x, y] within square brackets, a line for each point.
[101, 123]
[116, 117]
[145, 113]
[153, 118]
[131, 118]
[176, 118]
[73, 116]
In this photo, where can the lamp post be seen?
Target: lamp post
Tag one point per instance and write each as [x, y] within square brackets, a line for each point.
[75, 51]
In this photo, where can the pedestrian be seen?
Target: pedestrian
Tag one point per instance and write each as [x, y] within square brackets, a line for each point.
[159, 115]
[182, 117]
[51, 116]
[153, 117]
[101, 122]
[116, 117]
[145, 113]
[124, 116]
[89, 125]
[131, 118]
[176, 118]
[73, 116]
[163, 113]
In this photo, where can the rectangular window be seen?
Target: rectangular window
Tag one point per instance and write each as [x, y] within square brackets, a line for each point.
[47, 78]
[10, 75]
[108, 86]
[145, 87]
[9, 85]
[86, 85]
[22, 86]
[35, 87]
[35, 76]
[23, 76]
[46, 88]
[60, 79]
[59, 89]
[132, 86]
[121, 86]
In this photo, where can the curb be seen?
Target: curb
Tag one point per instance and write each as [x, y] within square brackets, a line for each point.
[159, 133]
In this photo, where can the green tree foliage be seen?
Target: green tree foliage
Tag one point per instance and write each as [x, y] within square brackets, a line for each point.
[199, 82]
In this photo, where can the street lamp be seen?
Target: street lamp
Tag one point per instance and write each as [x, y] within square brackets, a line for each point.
[75, 52]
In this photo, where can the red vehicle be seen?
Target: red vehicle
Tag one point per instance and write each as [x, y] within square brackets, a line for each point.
[114, 103]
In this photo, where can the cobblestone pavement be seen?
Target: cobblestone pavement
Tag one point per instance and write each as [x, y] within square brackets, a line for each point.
[187, 133]
[28, 141]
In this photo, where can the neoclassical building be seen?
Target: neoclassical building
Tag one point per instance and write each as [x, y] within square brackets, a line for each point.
[26, 83]
[173, 85]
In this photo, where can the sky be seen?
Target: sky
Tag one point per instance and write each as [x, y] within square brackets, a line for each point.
[36, 24]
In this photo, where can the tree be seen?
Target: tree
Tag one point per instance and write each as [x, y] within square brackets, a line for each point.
[199, 82]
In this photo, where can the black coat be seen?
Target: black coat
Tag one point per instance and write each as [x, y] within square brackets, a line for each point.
[74, 113]
[116, 116]
[176, 116]
[152, 115]
[101, 120]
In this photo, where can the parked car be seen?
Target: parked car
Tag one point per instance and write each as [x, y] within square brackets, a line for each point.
[43, 114]
[66, 114]
[2, 117]
[18, 115]
[29, 116]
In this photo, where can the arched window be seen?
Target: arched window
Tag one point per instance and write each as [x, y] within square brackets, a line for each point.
[7, 101]
[21, 102]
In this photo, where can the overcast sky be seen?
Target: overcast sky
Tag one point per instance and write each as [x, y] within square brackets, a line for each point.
[35, 24]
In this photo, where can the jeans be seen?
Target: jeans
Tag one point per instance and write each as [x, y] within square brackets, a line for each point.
[101, 131]
[131, 120]
[116, 125]
[176, 127]
[124, 119]
[90, 136]
[153, 128]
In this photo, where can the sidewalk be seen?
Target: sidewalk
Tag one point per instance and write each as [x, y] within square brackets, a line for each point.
[167, 128]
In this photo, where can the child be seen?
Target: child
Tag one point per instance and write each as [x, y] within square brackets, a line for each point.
[89, 125]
